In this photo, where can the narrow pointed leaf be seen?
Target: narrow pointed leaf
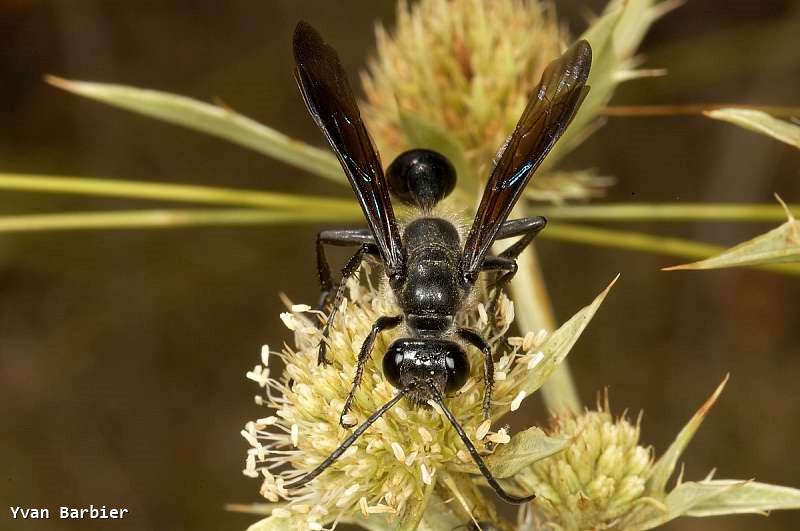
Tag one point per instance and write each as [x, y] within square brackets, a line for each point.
[559, 344]
[650, 243]
[415, 509]
[601, 80]
[211, 119]
[439, 519]
[747, 497]
[182, 193]
[614, 37]
[760, 122]
[299, 522]
[273, 523]
[667, 212]
[524, 449]
[665, 466]
[166, 219]
[778, 246]
[693, 109]
[679, 502]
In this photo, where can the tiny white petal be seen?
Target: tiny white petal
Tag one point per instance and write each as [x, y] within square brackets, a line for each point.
[536, 360]
[435, 407]
[249, 438]
[295, 435]
[425, 434]
[381, 509]
[517, 400]
[527, 343]
[289, 321]
[265, 355]
[482, 429]
[514, 341]
[411, 458]
[427, 476]
[482, 315]
[501, 437]
[399, 454]
[300, 308]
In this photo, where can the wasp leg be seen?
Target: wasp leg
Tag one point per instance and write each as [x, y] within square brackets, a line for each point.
[506, 262]
[383, 323]
[473, 338]
[342, 237]
[349, 269]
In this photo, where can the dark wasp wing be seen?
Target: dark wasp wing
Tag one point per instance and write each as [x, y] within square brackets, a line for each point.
[329, 99]
[547, 115]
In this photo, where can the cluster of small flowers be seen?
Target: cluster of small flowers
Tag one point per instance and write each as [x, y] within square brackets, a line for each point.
[390, 463]
[598, 478]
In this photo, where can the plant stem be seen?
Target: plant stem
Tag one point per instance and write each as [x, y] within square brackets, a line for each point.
[534, 312]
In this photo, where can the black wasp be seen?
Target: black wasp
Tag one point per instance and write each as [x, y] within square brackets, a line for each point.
[430, 269]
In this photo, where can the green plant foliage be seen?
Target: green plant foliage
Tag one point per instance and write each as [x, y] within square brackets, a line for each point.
[760, 122]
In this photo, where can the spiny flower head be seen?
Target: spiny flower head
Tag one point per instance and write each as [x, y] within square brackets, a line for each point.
[400, 456]
[601, 475]
[456, 75]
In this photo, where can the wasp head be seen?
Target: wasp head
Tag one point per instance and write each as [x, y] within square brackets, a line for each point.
[421, 363]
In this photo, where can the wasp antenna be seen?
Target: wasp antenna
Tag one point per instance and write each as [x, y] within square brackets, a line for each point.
[477, 457]
[347, 442]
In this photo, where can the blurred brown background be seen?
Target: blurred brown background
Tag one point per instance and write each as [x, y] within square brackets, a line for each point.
[122, 354]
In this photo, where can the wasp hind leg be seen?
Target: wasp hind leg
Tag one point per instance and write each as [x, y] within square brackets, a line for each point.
[339, 238]
[473, 338]
[505, 264]
[326, 282]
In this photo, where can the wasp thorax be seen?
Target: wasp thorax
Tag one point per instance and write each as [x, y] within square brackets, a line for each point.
[421, 177]
[421, 364]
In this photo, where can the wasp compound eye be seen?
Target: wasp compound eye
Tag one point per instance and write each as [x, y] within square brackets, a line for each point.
[457, 366]
[391, 364]
[421, 177]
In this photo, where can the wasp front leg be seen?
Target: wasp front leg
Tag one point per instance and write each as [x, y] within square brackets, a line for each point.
[383, 323]
[473, 338]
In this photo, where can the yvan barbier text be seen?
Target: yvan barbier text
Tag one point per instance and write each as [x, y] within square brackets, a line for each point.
[91, 512]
